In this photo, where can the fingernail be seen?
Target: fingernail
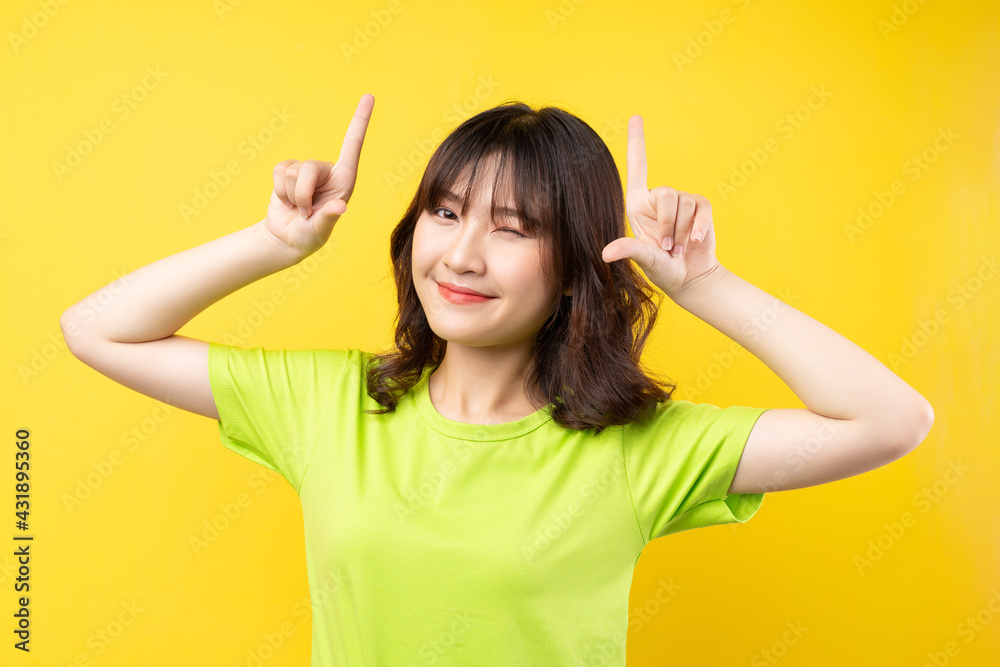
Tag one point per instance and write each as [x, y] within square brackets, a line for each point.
[302, 211]
[697, 236]
[666, 243]
[678, 251]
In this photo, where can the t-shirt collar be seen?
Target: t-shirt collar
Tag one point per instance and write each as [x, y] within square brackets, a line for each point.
[462, 430]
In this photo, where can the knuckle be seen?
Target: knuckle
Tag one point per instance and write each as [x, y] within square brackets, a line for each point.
[666, 192]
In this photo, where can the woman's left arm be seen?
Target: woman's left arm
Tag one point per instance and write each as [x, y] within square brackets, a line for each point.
[860, 414]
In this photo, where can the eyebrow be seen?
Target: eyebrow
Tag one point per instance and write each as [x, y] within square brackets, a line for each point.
[509, 212]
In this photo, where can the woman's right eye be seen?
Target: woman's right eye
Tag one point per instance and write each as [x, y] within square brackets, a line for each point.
[443, 209]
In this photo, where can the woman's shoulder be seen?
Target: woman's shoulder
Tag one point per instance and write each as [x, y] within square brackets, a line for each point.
[311, 359]
[689, 420]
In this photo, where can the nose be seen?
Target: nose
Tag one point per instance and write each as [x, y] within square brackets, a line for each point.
[465, 247]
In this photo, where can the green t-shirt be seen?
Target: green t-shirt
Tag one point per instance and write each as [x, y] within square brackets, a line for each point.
[431, 541]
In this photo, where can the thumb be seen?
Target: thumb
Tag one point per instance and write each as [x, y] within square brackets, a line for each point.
[329, 214]
[627, 247]
[336, 207]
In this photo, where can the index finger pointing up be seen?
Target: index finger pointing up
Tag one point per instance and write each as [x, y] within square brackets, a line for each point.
[350, 152]
[635, 155]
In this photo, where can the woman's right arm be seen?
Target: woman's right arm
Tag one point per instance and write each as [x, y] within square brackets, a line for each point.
[127, 330]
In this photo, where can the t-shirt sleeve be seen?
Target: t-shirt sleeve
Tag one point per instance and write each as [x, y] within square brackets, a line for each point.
[273, 403]
[681, 462]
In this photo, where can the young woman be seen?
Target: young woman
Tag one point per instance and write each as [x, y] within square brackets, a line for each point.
[480, 494]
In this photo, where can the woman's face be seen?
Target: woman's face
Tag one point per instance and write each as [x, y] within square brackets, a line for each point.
[497, 259]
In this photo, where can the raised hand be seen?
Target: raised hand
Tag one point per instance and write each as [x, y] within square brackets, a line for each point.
[310, 196]
[674, 240]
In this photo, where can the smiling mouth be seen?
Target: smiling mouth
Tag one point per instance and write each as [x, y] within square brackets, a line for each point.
[461, 297]
[461, 290]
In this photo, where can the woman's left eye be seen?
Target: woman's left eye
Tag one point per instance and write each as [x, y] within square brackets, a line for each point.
[447, 213]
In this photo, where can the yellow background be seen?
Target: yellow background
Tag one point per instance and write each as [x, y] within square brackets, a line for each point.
[115, 580]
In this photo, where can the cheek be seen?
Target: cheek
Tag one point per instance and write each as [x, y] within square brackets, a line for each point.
[421, 255]
[524, 273]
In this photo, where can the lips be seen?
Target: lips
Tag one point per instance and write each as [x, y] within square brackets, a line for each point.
[463, 290]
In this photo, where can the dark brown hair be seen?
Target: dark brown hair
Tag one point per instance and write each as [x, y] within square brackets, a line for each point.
[565, 186]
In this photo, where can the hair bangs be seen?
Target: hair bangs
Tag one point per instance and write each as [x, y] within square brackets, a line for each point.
[518, 184]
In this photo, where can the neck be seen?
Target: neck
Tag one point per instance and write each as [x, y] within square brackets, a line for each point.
[479, 385]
